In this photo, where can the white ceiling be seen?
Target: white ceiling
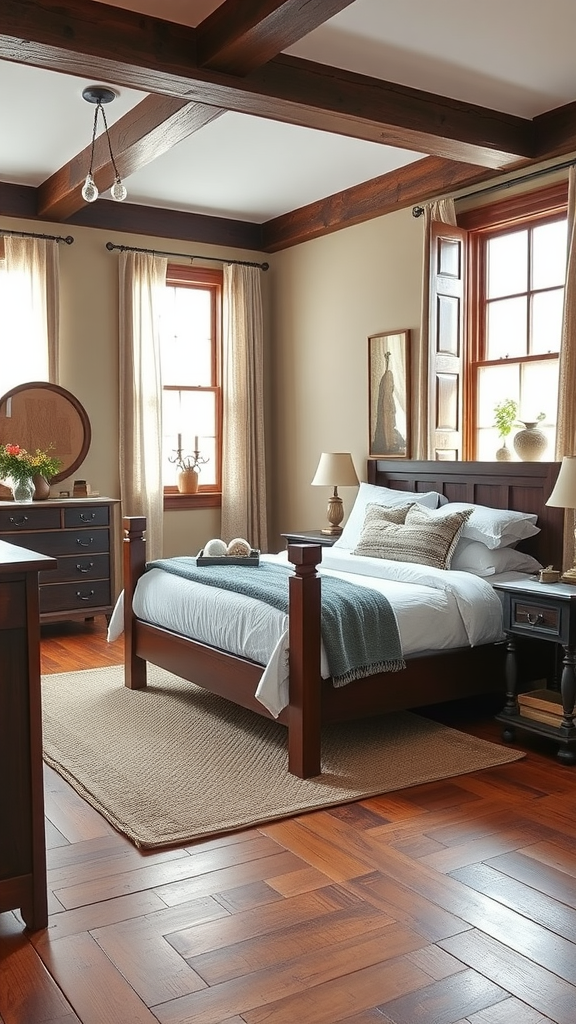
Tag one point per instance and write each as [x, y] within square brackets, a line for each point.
[516, 56]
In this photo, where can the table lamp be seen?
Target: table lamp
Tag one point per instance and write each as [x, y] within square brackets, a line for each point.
[335, 469]
[564, 496]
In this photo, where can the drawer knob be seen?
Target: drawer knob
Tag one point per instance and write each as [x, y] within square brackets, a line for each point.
[84, 568]
[87, 519]
[18, 520]
[84, 543]
[85, 597]
[534, 620]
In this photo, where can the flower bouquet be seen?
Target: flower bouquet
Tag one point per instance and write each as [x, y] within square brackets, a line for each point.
[21, 466]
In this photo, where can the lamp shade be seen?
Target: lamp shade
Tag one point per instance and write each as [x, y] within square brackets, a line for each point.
[564, 490]
[335, 469]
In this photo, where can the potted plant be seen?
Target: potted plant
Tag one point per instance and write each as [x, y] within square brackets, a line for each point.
[505, 416]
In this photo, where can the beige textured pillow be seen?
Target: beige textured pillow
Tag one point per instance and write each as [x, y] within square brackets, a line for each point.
[420, 538]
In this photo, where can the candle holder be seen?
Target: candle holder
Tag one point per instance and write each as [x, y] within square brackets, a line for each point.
[188, 469]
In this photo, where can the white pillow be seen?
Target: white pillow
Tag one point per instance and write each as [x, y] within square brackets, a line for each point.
[495, 527]
[472, 556]
[372, 494]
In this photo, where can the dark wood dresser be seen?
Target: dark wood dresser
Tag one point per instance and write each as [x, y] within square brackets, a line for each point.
[22, 837]
[80, 533]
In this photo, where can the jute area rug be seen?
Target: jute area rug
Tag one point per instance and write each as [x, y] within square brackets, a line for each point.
[174, 763]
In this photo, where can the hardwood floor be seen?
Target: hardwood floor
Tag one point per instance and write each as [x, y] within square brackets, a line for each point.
[446, 903]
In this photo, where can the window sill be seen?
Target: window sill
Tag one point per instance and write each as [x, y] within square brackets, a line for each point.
[174, 501]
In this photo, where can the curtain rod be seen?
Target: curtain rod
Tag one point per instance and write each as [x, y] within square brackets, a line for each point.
[184, 255]
[417, 211]
[32, 234]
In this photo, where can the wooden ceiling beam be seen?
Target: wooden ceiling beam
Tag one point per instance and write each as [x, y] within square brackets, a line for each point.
[241, 35]
[417, 183]
[111, 44]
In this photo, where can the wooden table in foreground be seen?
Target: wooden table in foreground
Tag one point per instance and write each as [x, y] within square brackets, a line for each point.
[22, 836]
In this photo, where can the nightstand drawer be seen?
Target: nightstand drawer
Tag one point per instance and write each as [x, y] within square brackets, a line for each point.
[536, 616]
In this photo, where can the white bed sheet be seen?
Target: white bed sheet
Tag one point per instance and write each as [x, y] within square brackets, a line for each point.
[455, 609]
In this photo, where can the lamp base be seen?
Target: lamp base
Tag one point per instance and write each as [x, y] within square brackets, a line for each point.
[332, 531]
[569, 576]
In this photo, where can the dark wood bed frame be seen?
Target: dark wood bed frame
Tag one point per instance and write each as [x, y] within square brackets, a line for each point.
[426, 680]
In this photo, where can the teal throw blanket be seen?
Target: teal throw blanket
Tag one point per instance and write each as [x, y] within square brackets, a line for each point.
[359, 629]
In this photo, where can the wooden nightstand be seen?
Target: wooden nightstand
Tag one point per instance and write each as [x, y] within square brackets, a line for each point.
[311, 537]
[544, 611]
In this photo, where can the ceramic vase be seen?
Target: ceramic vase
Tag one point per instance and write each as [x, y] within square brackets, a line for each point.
[530, 443]
[187, 481]
[23, 490]
[41, 487]
[503, 454]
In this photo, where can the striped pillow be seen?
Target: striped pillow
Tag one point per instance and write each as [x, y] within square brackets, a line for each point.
[422, 538]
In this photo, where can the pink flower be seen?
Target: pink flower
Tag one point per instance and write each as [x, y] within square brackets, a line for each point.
[13, 449]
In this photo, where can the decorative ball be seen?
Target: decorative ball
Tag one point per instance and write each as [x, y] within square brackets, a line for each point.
[215, 547]
[239, 548]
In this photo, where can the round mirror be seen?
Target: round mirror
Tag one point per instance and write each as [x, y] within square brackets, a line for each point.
[46, 416]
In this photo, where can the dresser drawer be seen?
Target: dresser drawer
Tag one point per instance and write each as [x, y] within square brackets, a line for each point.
[74, 597]
[78, 567]
[67, 542]
[16, 519]
[84, 516]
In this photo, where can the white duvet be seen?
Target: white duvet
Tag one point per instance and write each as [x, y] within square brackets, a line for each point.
[435, 609]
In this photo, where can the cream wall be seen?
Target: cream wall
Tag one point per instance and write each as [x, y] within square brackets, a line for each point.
[327, 296]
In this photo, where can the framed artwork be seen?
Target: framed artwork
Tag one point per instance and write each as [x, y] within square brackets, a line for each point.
[389, 394]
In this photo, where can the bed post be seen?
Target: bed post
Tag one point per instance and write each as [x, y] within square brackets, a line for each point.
[134, 559]
[304, 713]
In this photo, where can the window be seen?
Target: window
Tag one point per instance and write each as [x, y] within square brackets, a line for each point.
[517, 258]
[190, 340]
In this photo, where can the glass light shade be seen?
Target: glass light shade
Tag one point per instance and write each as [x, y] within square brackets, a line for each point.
[118, 191]
[335, 469]
[564, 490]
[90, 189]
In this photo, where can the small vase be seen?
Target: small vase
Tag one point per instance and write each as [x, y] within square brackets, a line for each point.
[187, 481]
[23, 490]
[41, 487]
[530, 443]
[503, 454]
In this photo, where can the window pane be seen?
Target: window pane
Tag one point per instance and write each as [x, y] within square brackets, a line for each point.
[549, 255]
[539, 391]
[506, 328]
[188, 415]
[495, 385]
[186, 341]
[546, 321]
[507, 264]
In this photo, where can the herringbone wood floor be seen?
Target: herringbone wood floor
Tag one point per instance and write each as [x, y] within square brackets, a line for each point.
[446, 903]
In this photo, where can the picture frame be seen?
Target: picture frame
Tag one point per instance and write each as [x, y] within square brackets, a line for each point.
[389, 394]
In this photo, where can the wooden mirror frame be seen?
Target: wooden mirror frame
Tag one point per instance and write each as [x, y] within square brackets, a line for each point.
[389, 385]
[61, 421]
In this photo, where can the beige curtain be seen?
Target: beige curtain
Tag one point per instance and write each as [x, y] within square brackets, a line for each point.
[29, 311]
[142, 288]
[566, 420]
[444, 211]
[243, 452]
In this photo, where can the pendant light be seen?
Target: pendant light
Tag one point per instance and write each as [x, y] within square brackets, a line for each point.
[98, 94]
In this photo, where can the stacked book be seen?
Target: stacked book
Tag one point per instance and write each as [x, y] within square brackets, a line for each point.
[541, 706]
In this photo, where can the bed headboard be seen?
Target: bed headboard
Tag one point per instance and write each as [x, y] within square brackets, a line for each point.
[520, 486]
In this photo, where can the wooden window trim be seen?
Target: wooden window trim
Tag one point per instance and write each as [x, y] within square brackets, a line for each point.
[543, 204]
[205, 497]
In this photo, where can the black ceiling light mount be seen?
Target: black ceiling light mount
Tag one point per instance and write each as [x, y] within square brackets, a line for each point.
[99, 95]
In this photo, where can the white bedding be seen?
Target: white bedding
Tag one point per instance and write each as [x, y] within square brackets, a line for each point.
[454, 609]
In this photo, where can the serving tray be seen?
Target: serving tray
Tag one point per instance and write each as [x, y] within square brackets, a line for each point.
[252, 559]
